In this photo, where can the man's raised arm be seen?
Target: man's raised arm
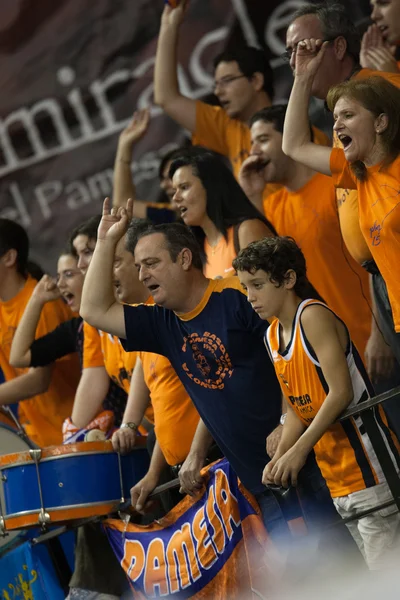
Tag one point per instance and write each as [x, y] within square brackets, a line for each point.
[166, 86]
[98, 306]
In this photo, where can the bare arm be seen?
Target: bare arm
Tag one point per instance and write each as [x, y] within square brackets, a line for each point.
[296, 141]
[98, 306]
[124, 439]
[292, 429]
[189, 475]
[328, 339]
[92, 390]
[45, 291]
[124, 186]
[251, 231]
[166, 86]
[329, 345]
[289, 435]
[34, 382]
[379, 358]
[141, 491]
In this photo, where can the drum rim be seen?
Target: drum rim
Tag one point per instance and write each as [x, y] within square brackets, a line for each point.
[17, 459]
[25, 513]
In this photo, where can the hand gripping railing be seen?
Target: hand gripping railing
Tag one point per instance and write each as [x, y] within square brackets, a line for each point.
[366, 412]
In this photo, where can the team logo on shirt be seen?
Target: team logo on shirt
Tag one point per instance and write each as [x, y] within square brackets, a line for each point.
[285, 381]
[123, 375]
[212, 364]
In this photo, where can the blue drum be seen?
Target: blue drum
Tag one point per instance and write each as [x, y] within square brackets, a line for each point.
[66, 483]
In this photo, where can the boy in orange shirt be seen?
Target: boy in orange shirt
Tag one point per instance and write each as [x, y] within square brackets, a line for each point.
[320, 374]
[47, 393]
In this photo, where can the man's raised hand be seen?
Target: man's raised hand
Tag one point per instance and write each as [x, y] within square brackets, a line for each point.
[114, 222]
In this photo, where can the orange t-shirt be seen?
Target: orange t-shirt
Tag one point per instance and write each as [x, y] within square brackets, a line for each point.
[379, 214]
[220, 257]
[92, 352]
[118, 363]
[42, 415]
[310, 216]
[231, 138]
[347, 198]
[104, 349]
[344, 452]
[175, 416]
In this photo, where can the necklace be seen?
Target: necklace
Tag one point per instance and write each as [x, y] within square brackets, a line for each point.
[214, 248]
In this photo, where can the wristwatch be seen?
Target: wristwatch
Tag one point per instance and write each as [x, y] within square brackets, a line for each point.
[283, 419]
[131, 425]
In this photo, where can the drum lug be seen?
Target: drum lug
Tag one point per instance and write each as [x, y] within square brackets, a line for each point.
[121, 479]
[44, 517]
[2, 527]
[3, 477]
[36, 454]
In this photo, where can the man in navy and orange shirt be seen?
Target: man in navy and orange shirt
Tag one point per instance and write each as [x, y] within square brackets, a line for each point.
[212, 338]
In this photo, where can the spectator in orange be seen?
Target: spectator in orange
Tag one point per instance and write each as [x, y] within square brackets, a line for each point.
[103, 352]
[305, 209]
[327, 21]
[124, 187]
[380, 41]
[366, 115]
[212, 203]
[243, 85]
[47, 393]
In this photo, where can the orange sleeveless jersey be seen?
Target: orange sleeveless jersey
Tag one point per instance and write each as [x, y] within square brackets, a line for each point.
[344, 453]
[42, 415]
[347, 200]
[175, 416]
[220, 257]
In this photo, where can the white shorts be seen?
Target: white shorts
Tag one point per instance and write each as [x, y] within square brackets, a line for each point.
[378, 534]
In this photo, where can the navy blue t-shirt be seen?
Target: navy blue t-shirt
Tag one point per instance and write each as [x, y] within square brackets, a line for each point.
[218, 353]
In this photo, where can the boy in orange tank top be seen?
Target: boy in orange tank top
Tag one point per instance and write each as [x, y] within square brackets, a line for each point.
[321, 374]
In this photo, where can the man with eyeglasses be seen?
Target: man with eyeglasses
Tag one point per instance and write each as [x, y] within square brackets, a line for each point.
[243, 86]
[330, 22]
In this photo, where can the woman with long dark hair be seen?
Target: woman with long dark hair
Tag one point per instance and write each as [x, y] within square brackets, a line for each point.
[214, 206]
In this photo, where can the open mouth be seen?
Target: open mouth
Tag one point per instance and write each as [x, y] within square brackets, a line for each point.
[153, 288]
[183, 210]
[384, 31]
[346, 140]
[262, 163]
[69, 298]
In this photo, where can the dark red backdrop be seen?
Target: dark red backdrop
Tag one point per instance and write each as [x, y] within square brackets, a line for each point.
[71, 74]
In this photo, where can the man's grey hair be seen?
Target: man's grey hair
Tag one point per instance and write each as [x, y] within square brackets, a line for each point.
[334, 23]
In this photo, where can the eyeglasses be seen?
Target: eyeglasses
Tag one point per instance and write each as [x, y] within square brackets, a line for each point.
[287, 55]
[222, 83]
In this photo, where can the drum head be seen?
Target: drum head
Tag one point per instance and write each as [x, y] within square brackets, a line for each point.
[9, 442]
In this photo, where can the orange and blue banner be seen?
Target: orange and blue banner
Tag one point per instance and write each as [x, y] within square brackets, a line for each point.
[208, 546]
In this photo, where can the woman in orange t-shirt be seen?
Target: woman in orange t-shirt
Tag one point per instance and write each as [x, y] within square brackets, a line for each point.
[213, 204]
[367, 122]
